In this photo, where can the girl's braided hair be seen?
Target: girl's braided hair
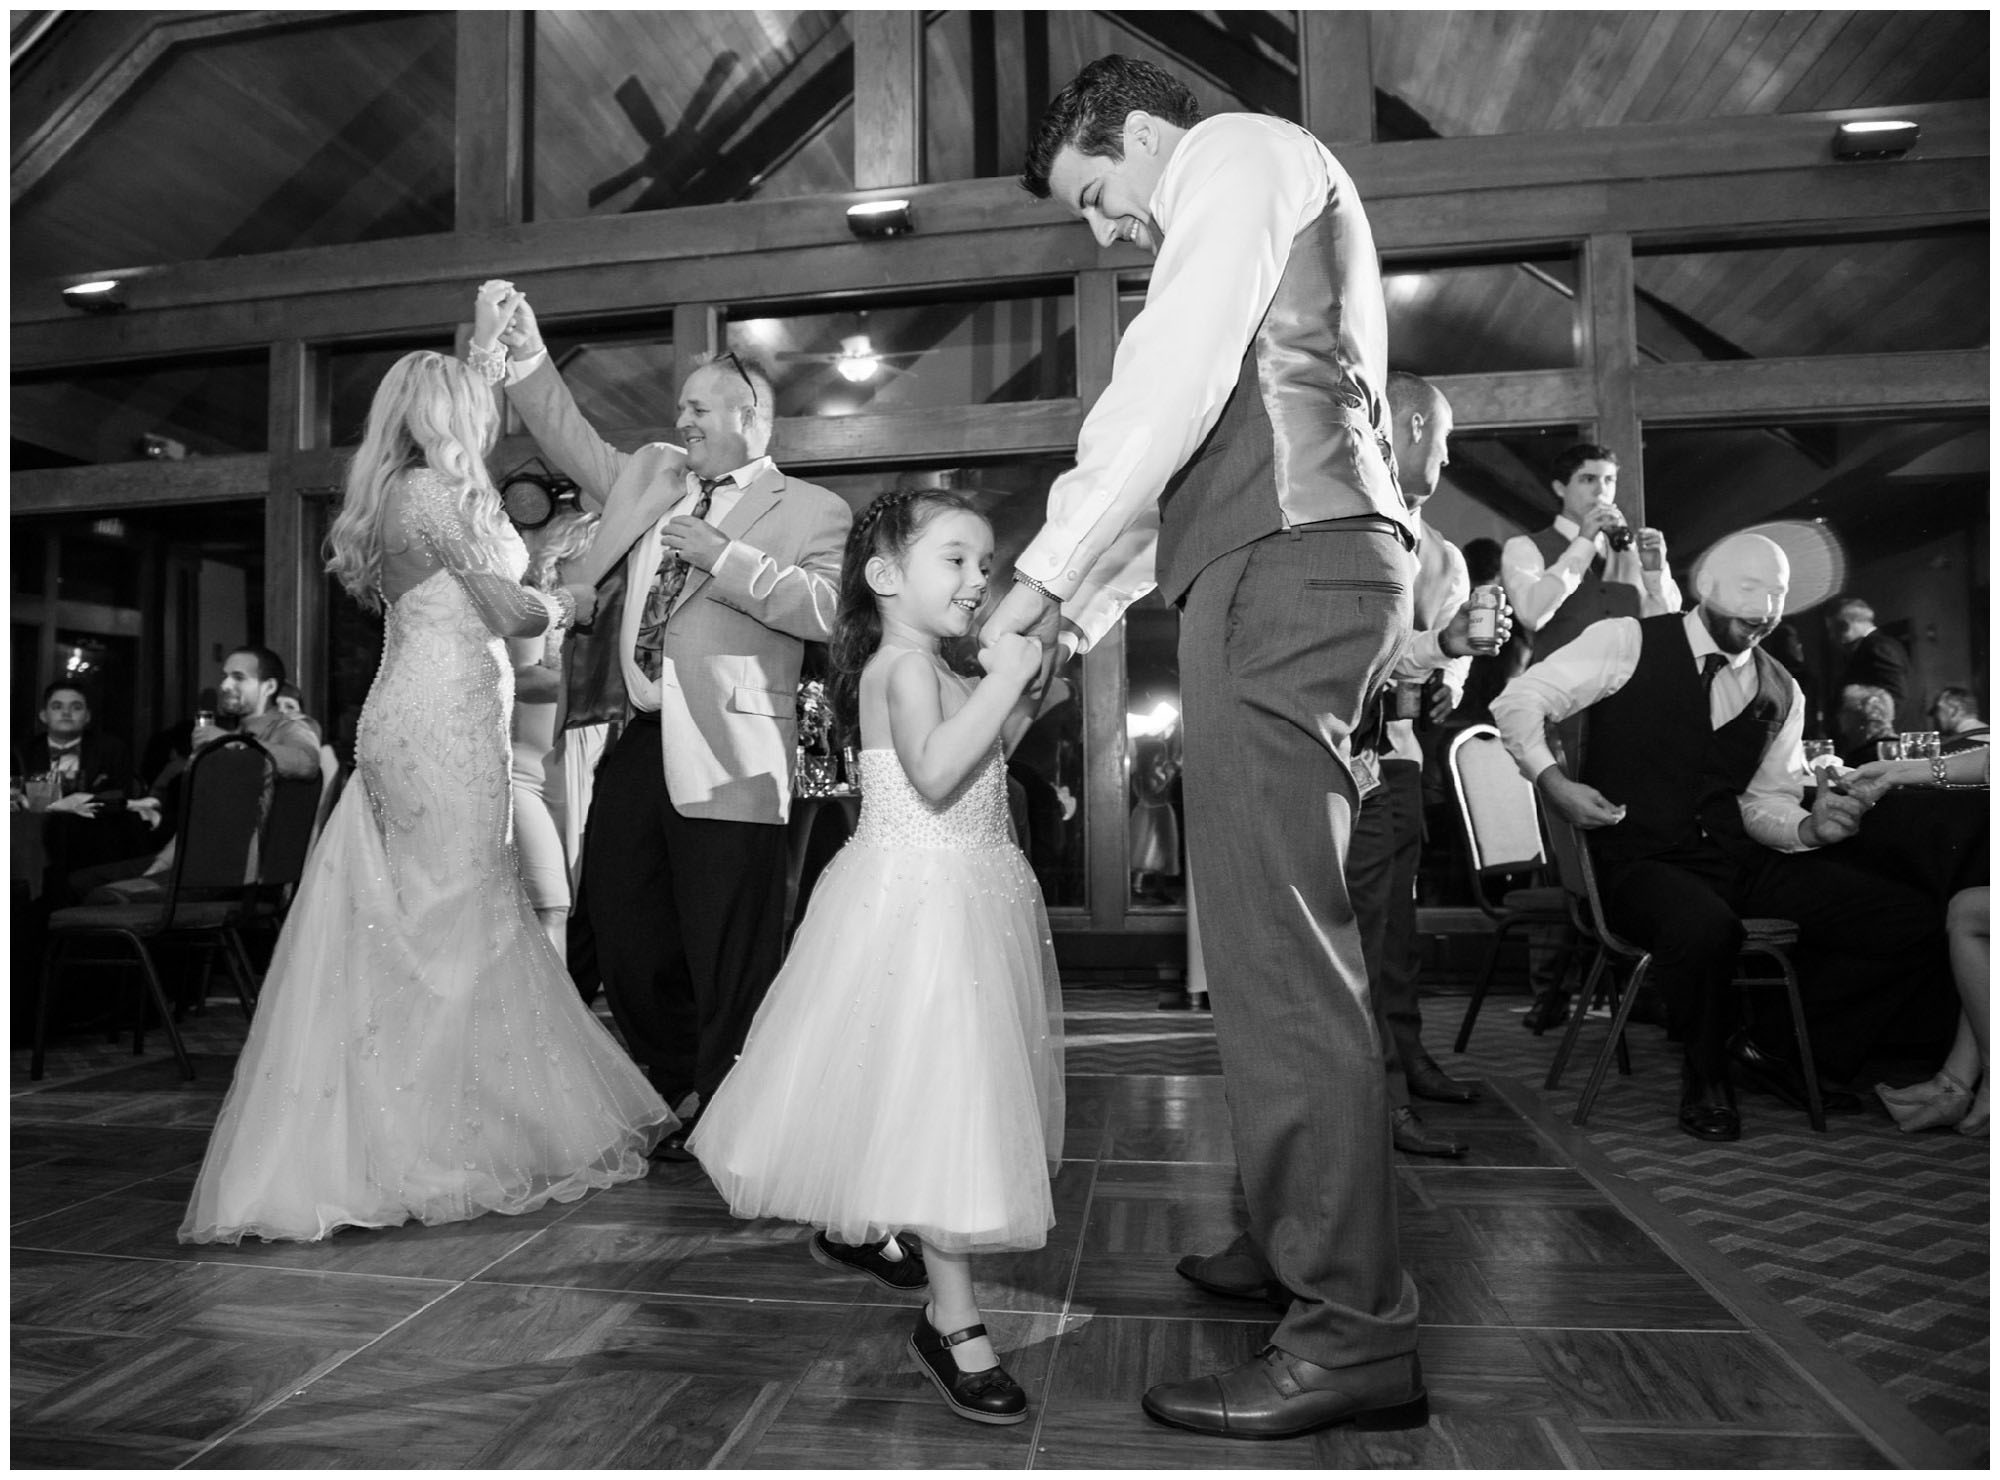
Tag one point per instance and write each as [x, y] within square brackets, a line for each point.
[886, 528]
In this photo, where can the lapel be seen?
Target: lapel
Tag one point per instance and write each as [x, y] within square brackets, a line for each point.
[757, 500]
[626, 520]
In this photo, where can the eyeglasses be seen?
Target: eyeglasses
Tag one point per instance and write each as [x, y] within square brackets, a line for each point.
[730, 356]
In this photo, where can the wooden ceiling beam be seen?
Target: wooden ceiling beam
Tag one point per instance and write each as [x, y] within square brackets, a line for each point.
[1715, 393]
[199, 480]
[67, 123]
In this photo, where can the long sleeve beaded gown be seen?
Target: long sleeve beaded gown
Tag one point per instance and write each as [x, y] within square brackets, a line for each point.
[419, 1051]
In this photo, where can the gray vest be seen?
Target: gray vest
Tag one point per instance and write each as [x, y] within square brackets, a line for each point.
[1593, 600]
[1304, 436]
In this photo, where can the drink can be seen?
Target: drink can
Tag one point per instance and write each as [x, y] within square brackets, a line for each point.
[1482, 623]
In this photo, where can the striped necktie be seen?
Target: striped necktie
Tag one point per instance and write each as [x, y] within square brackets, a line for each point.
[668, 583]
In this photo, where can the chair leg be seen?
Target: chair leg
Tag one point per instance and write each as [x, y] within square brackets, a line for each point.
[45, 989]
[1480, 989]
[158, 992]
[1616, 1041]
[239, 969]
[1578, 1012]
[1815, 1109]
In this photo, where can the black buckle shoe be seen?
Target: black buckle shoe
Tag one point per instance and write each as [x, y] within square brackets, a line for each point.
[988, 1396]
[904, 1274]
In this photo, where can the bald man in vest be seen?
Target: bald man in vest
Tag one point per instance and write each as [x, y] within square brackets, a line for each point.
[1690, 795]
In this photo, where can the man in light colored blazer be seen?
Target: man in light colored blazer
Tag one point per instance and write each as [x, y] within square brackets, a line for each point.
[731, 567]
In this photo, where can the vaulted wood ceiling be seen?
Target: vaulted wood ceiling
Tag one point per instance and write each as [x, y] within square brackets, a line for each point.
[340, 130]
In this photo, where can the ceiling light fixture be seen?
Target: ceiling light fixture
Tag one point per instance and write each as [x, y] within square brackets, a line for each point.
[857, 360]
[1875, 138]
[877, 218]
[101, 295]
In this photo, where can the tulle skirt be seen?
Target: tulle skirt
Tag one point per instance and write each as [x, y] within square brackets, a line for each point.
[904, 1073]
[416, 1054]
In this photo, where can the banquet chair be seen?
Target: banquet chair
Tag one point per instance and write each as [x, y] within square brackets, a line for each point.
[1503, 835]
[290, 828]
[224, 796]
[1764, 939]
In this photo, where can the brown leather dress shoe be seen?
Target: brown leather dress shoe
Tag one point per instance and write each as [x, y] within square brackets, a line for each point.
[1411, 1135]
[1428, 1082]
[1275, 1395]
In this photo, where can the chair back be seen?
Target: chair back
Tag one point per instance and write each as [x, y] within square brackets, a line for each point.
[224, 794]
[288, 831]
[336, 782]
[1578, 873]
[1497, 805]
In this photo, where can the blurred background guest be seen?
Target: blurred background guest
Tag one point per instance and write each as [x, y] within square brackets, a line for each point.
[85, 760]
[1955, 715]
[1868, 655]
[1867, 714]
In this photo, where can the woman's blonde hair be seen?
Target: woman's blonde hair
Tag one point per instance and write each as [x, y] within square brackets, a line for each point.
[429, 411]
[567, 535]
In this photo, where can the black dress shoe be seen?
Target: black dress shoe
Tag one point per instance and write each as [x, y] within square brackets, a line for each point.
[1708, 1107]
[906, 1273]
[1550, 1010]
[1275, 1395]
[1412, 1135]
[1781, 1077]
[1235, 1275]
[673, 1146]
[1428, 1082]
[986, 1396]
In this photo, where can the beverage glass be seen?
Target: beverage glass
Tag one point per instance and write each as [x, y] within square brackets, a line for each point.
[42, 790]
[1482, 628]
[1889, 749]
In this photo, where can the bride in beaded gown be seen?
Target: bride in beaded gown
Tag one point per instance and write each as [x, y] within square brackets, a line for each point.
[419, 1051]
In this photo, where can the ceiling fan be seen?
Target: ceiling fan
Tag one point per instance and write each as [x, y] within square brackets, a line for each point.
[856, 361]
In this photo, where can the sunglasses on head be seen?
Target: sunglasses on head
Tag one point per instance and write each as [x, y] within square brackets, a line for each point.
[730, 356]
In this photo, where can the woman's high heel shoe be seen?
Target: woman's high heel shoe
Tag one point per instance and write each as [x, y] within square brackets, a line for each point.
[988, 1396]
[1944, 1101]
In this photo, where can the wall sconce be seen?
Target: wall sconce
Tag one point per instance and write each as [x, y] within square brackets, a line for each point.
[104, 295]
[875, 218]
[1875, 138]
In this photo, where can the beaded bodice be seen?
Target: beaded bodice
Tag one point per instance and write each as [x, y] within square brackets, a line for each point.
[894, 813]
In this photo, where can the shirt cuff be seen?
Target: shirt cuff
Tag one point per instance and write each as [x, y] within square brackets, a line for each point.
[520, 370]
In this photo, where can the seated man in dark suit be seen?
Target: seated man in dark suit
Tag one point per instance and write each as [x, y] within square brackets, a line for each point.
[1690, 787]
[87, 760]
[1955, 712]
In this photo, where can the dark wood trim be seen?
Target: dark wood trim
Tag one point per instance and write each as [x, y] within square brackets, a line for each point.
[1423, 196]
[43, 149]
[1611, 350]
[917, 436]
[888, 97]
[292, 604]
[492, 106]
[1109, 885]
[1336, 77]
[1516, 398]
[1716, 392]
[1096, 333]
[202, 480]
[82, 616]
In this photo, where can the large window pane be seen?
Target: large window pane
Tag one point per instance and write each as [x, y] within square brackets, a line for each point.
[124, 413]
[1855, 296]
[302, 136]
[1466, 320]
[622, 375]
[915, 353]
[640, 110]
[989, 74]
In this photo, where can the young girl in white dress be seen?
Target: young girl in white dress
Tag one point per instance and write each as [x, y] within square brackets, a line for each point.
[419, 1051]
[904, 1075]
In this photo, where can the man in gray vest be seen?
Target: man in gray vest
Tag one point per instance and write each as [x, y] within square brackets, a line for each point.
[1588, 564]
[1245, 438]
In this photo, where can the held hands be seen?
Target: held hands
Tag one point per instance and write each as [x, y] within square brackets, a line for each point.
[585, 598]
[1012, 657]
[493, 309]
[696, 541]
[1026, 611]
[1836, 816]
[1583, 806]
[79, 802]
[522, 334]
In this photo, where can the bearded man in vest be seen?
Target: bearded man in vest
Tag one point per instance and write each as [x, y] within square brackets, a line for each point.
[1561, 579]
[1243, 449]
[1689, 791]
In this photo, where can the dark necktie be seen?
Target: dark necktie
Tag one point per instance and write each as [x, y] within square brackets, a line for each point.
[1711, 664]
[668, 582]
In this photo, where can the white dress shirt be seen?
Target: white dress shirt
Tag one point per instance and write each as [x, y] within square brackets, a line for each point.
[1600, 661]
[1535, 591]
[1239, 188]
[643, 564]
[1442, 586]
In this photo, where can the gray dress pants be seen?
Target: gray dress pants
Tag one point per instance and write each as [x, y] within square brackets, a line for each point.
[1281, 642]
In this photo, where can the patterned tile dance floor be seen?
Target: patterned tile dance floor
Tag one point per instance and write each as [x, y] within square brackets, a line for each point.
[1606, 1298]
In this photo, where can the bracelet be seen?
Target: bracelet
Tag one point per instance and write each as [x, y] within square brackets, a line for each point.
[1034, 585]
[489, 364]
[563, 608]
[1937, 771]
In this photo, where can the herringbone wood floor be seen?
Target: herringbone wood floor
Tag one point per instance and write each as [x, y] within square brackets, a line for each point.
[644, 1326]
